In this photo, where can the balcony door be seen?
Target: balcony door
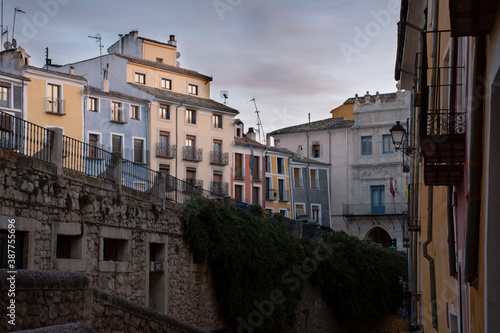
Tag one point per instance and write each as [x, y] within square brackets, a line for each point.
[378, 200]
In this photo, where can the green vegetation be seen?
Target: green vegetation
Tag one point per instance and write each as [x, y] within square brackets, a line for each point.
[258, 268]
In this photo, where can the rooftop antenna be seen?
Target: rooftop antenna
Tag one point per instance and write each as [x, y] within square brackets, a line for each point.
[98, 39]
[224, 94]
[260, 129]
[17, 9]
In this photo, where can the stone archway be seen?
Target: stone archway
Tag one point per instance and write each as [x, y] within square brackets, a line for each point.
[379, 236]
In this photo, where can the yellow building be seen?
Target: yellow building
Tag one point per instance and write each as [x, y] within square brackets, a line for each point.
[277, 182]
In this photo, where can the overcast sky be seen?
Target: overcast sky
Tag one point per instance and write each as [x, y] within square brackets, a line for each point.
[294, 56]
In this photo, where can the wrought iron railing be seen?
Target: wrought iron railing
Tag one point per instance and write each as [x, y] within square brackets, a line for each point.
[219, 188]
[219, 158]
[163, 150]
[88, 159]
[117, 115]
[140, 177]
[192, 154]
[55, 106]
[445, 123]
[26, 138]
[270, 194]
[369, 209]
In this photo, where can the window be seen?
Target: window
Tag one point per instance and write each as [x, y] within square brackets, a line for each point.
[217, 146]
[378, 199]
[192, 89]
[191, 176]
[191, 116]
[238, 132]
[93, 103]
[366, 145]
[140, 78]
[281, 165]
[315, 151]
[256, 195]
[238, 193]
[190, 149]
[217, 121]
[268, 164]
[284, 212]
[116, 143]
[54, 101]
[19, 250]
[94, 144]
[314, 178]
[114, 249]
[297, 177]
[163, 144]
[316, 213]
[166, 84]
[217, 185]
[134, 112]
[256, 168]
[164, 111]
[300, 211]
[165, 168]
[117, 112]
[138, 151]
[159, 60]
[282, 195]
[4, 94]
[68, 247]
[238, 166]
[387, 144]
[190, 142]
[269, 189]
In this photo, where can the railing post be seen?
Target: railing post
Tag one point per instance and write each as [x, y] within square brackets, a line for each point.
[56, 151]
[117, 162]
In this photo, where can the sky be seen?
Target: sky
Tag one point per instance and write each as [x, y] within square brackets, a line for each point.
[295, 57]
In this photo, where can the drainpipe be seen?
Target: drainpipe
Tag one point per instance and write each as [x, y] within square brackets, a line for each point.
[475, 162]
[330, 174]
[430, 192]
[451, 233]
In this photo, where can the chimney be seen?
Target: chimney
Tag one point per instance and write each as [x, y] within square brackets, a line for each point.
[134, 33]
[250, 134]
[105, 81]
[120, 43]
[299, 151]
[268, 139]
[172, 40]
[72, 70]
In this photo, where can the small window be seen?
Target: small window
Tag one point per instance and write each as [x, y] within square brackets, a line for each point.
[300, 211]
[166, 84]
[116, 143]
[284, 212]
[281, 165]
[238, 193]
[268, 164]
[134, 112]
[217, 121]
[192, 89]
[5, 94]
[159, 60]
[316, 213]
[54, 100]
[138, 151]
[366, 145]
[156, 252]
[93, 103]
[314, 178]
[315, 151]
[117, 112]
[387, 144]
[94, 144]
[238, 132]
[165, 168]
[69, 247]
[140, 78]
[191, 116]
[297, 177]
[164, 111]
[114, 249]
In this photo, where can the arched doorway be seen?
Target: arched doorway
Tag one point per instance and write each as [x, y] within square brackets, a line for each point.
[380, 237]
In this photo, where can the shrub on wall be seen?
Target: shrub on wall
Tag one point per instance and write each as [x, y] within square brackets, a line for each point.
[249, 257]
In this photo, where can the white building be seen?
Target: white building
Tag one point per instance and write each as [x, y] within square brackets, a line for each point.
[363, 165]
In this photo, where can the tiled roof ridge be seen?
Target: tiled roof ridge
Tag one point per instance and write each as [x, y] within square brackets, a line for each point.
[318, 125]
[116, 93]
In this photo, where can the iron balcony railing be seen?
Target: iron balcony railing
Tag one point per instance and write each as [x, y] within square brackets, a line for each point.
[140, 177]
[369, 209]
[190, 153]
[118, 116]
[192, 184]
[164, 150]
[88, 159]
[55, 106]
[219, 158]
[219, 188]
[270, 194]
[26, 138]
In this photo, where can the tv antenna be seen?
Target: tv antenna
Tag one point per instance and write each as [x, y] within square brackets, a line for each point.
[98, 39]
[17, 9]
[224, 94]
[260, 129]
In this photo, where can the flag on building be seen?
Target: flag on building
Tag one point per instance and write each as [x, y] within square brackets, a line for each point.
[391, 189]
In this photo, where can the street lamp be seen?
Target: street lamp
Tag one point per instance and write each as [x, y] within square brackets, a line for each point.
[397, 133]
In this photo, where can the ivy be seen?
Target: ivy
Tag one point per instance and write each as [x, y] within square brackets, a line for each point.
[248, 255]
[360, 280]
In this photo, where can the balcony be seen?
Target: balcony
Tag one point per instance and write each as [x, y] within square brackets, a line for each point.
[219, 158]
[55, 106]
[369, 209]
[270, 194]
[192, 154]
[442, 120]
[283, 196]
[117, 116]
[166, 151]
[191, 185]
[219, 188]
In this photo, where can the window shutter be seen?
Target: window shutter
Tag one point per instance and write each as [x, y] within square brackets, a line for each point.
[18, 95]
